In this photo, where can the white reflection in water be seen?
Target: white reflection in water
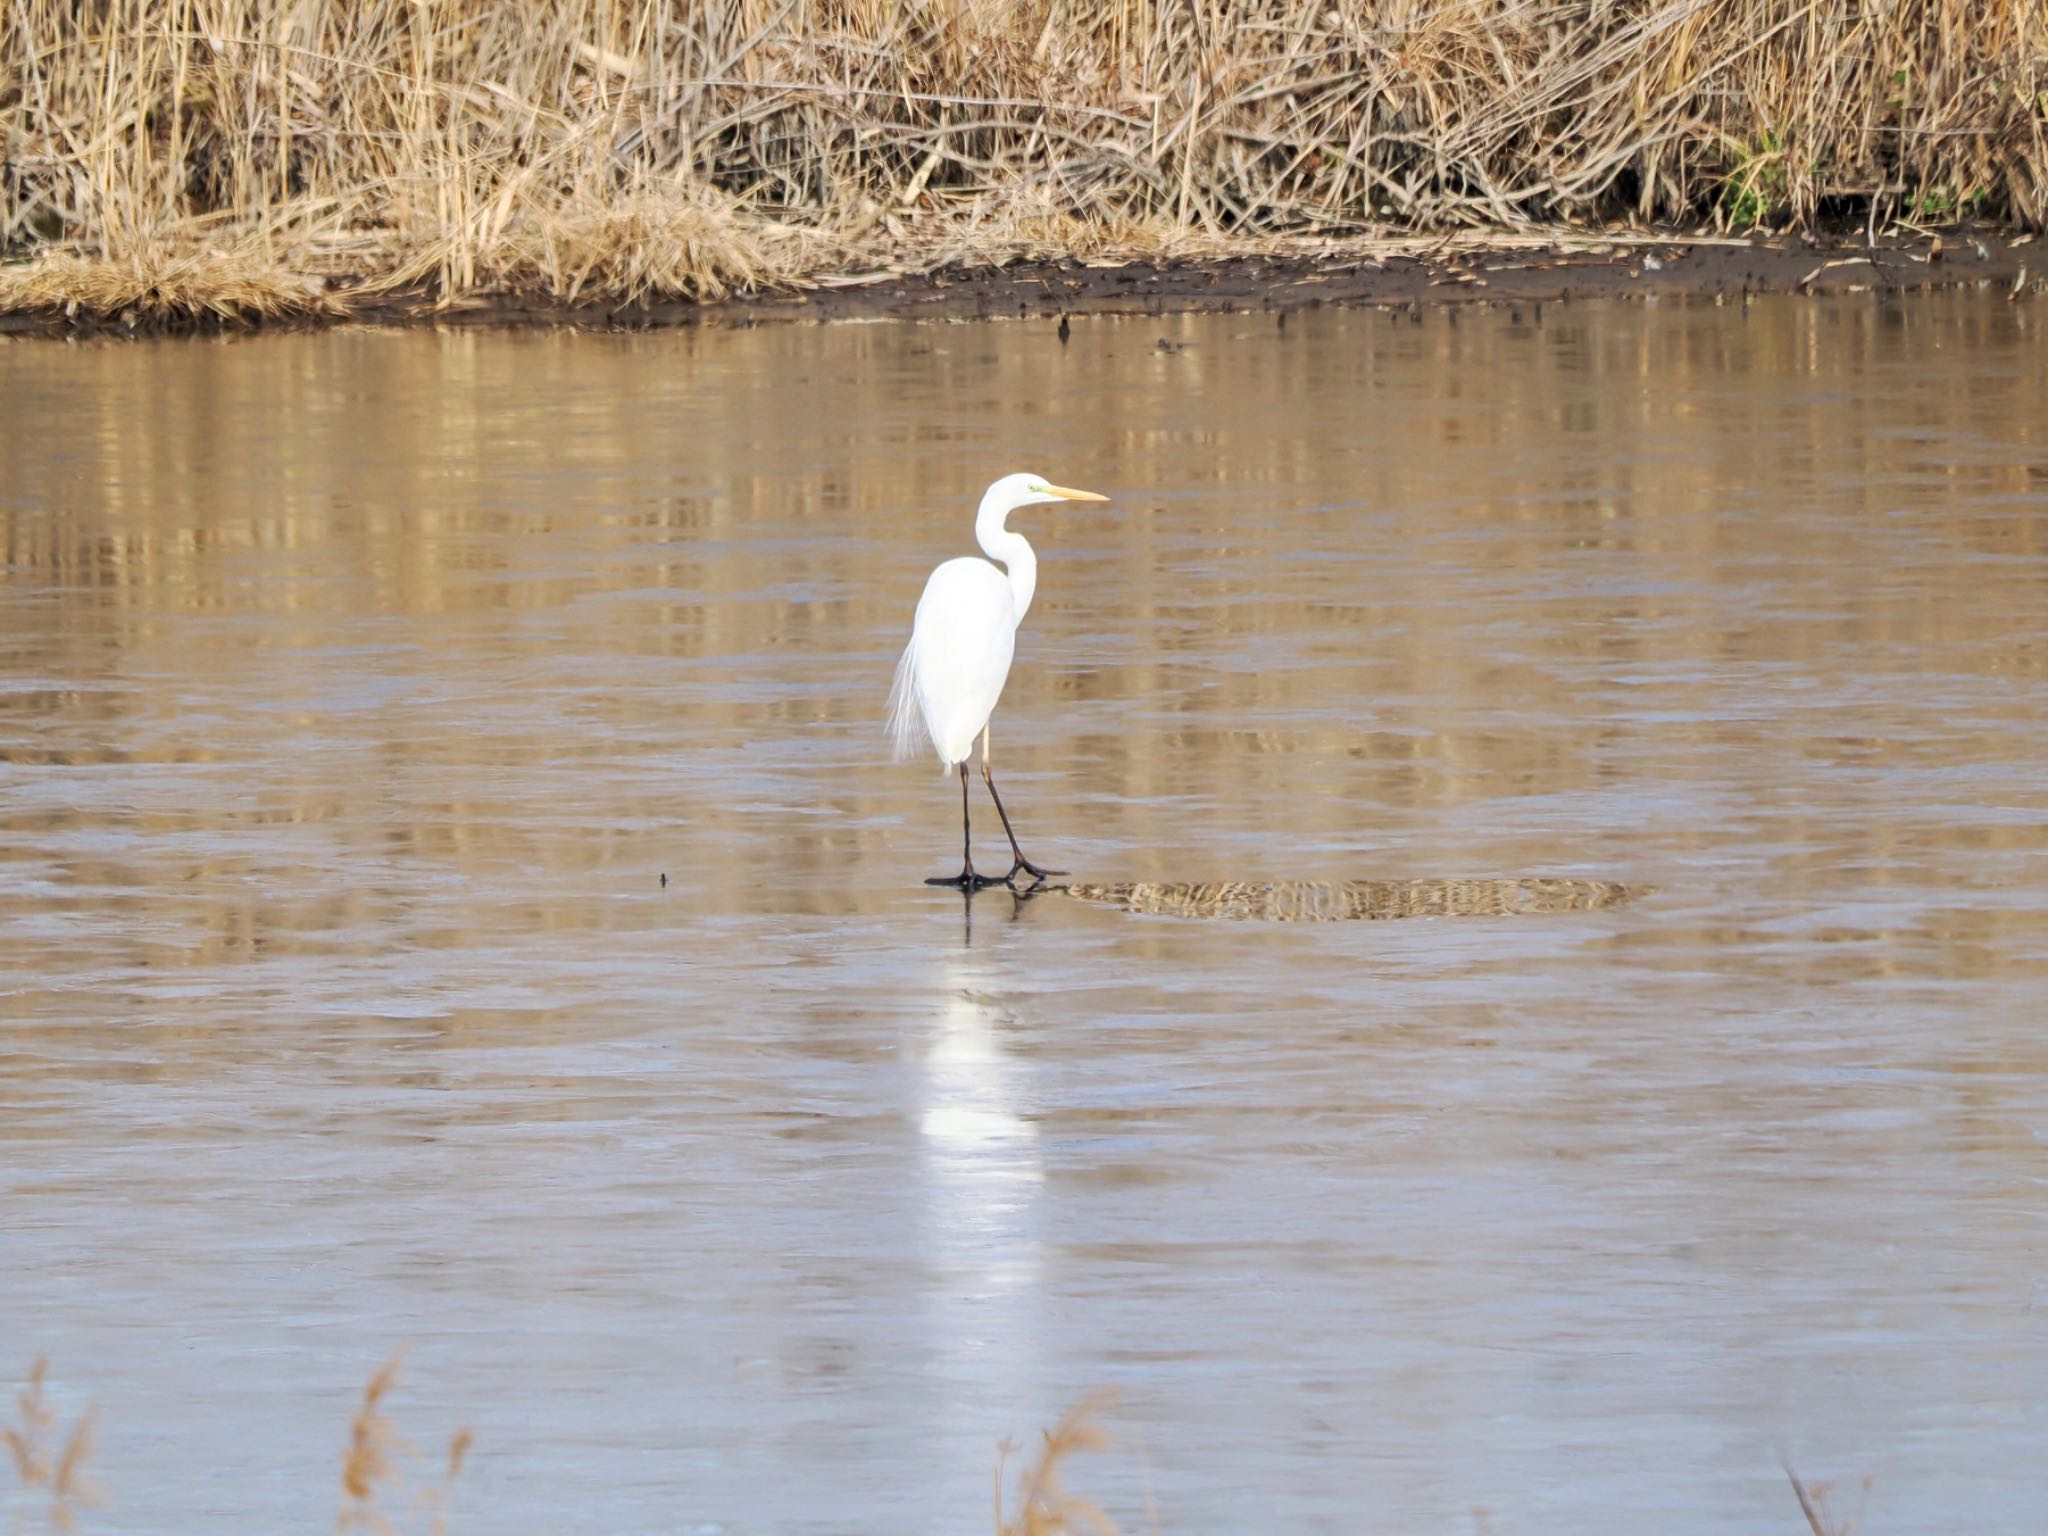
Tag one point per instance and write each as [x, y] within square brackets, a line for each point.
[983, 1166]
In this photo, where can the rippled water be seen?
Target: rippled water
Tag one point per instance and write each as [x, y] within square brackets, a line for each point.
[357, 690]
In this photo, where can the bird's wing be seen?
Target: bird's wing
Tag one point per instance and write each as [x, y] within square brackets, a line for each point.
[959, 652]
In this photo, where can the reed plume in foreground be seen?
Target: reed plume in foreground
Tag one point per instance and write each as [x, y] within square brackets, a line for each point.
[45, 1464]
[1813, 1503]
[1045, 1507]
[259, 157]
[48, 1464]
[370, 1464]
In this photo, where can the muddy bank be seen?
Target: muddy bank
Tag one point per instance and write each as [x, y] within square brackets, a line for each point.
[1456, 270]
[1448, 274]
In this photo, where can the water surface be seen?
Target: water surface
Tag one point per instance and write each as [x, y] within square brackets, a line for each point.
[356, 691]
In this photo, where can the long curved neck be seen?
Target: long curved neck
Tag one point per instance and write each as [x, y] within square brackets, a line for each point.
[1012, 549]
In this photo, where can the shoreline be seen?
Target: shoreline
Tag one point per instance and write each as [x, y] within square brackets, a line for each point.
[1407, 273]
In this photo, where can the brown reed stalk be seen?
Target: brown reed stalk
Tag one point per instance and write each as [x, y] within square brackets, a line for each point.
[264, 157]
[1813, 1504]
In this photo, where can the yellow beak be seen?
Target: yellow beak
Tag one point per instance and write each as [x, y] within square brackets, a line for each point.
[1066, 495]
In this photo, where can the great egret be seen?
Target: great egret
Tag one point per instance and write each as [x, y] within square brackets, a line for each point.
[953, 670]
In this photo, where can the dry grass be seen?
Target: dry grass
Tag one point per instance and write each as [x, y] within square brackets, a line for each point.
[55, 1467]
[1045, 1507]
[372, 1465]
[49, 1465]
[242, 158]
[372, 1468]
[153, 284]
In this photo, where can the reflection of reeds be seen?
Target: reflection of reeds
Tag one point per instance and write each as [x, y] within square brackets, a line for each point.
[187, 156]
[1045, 1506]
[42, 1464]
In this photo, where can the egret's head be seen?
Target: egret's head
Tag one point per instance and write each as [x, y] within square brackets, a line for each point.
[1014, 491]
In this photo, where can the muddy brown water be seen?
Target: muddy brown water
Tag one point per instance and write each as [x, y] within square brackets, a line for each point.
[356, 690]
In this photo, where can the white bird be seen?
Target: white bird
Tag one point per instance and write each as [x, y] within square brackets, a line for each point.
[953, 670]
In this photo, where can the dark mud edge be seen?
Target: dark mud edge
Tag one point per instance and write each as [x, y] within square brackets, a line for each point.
[2013, 263]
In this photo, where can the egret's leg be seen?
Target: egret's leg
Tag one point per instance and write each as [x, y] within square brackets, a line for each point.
[1017, 853]
[967, 879]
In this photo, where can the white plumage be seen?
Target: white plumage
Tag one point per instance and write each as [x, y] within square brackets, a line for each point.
[962, 641]
[958, 659]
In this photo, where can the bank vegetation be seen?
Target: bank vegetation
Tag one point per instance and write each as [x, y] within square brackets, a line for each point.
[245, 158]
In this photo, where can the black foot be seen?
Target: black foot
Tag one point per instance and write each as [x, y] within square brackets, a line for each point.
[966, 880]
[1038, 876]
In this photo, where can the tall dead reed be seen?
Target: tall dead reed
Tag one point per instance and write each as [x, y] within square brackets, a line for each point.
[265, 156]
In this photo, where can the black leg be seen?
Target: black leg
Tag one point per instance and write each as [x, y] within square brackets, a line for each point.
[1015, 852]
[967, 879]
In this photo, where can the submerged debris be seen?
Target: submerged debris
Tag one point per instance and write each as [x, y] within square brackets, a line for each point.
[1317, 901]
